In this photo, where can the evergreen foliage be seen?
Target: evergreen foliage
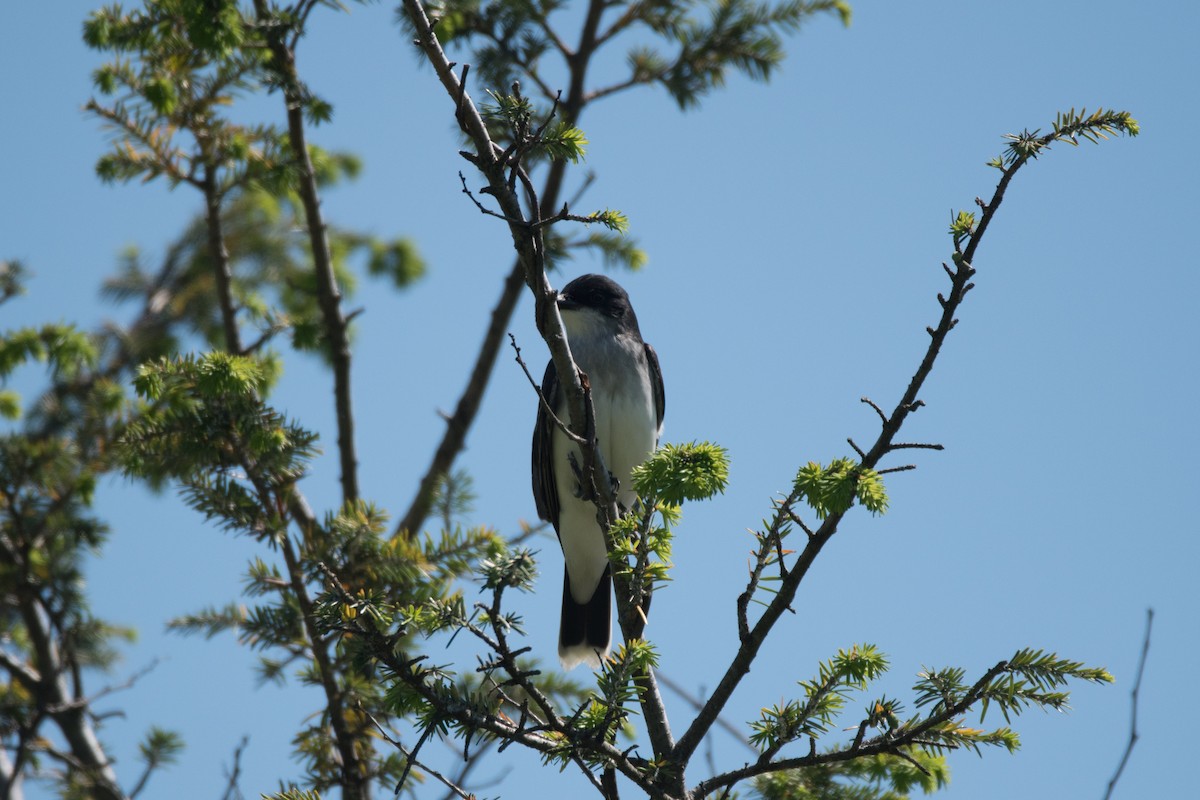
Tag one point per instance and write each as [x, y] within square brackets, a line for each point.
[335, 599]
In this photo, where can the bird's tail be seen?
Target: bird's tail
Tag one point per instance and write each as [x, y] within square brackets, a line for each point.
[585, 632]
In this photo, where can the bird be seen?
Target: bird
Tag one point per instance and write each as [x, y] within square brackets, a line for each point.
[628, 399]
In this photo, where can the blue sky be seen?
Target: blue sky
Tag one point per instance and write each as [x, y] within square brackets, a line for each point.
[794, 233]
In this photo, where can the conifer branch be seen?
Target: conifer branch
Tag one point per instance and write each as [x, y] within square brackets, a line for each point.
[553, 736]
[886, 743]
[355, 785]
[964, 231]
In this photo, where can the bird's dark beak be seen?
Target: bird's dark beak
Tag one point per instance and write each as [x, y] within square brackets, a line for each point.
[565, 303]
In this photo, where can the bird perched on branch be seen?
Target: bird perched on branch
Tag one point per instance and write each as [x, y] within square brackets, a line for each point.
[628, 399]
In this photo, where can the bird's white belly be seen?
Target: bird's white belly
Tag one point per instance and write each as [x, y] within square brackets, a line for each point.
[626, 434]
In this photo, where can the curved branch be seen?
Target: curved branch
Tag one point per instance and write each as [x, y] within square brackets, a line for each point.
[753, 639]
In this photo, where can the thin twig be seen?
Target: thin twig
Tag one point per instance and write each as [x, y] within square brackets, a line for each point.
[562, 426]
[696, 703]
[462, 87]
[469, 763]
[902, 468]
[917, 764]
[796, 519]
[83, 702]
[882, 416]
[410, 756]
[1137, 685]
[232, 792]
[484, 209]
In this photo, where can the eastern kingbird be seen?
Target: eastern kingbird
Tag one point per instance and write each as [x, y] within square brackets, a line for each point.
[627, 395]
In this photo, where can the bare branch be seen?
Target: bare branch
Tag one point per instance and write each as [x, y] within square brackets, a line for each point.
[220, 258]
[882, 416]
[329, 297]
[24, 674]
[562, 426]
[1133, 714]
[232, 792]
[695, 702]
[553, 36]
[84, 702]
[469, 763]
[484, 209]
[468, 404]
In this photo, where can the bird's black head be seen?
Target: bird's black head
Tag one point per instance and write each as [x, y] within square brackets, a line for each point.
[597, 293]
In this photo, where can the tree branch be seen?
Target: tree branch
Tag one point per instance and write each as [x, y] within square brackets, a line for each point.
[72, 720]
[1137, 685]
[220, 258]
[354, 779]
[21, 672]
[697, 704]
[543, 400]
[753, 639]
[548, 737]
[469, 763]
[329, 297]
[232, 792]
[10, 775]
[885, 744]
[459, 423]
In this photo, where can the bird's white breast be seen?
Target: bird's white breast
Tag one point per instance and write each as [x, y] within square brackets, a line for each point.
[626, 434]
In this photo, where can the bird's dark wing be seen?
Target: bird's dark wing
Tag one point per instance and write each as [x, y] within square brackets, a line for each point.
[656, 381]
[545, 490]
